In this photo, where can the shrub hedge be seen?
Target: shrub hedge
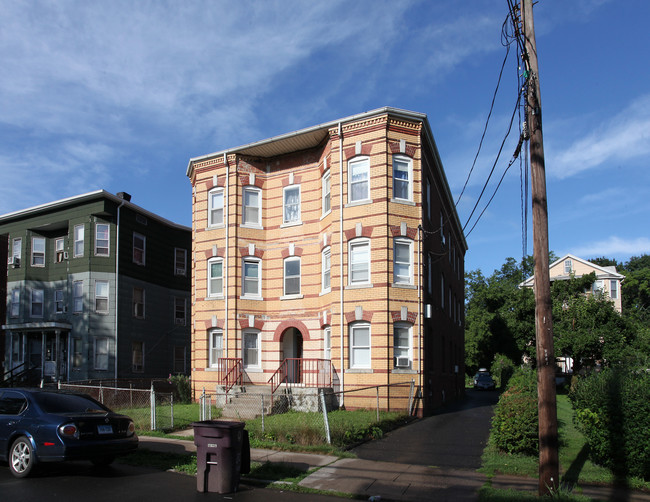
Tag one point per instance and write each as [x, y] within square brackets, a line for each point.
[515, 423]
[613, 412]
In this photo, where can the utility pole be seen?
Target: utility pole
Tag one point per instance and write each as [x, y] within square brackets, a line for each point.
[546, 401]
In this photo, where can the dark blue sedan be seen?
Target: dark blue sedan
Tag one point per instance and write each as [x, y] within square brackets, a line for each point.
[47, 426]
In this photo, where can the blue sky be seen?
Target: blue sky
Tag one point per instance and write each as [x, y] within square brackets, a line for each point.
[119, 95]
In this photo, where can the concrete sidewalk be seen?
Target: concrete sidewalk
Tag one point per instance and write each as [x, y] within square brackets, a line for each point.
[394, 481]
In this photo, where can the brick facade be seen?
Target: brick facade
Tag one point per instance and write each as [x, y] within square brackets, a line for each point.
[380, 260]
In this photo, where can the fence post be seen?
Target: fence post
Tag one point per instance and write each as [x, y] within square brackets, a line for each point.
[101, 393]
[172, 409]
[262, 414]
[203, 414]
[325, 419]
[377, 403]
[152, 400]
[411, 397]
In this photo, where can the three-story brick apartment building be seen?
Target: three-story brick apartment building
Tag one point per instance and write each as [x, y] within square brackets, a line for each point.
[332, 255]
[96, 288]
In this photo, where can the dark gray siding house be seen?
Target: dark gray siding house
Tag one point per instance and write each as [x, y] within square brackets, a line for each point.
[96, 288]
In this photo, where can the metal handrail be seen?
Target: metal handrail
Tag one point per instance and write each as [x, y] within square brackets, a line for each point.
[231, 371]
[302, 372]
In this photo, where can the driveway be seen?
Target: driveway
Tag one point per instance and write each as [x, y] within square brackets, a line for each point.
[453, 438]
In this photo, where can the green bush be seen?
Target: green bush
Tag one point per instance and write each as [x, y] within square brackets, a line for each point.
[502, 369]
[613, 412]
[515, 423]
[182, 388]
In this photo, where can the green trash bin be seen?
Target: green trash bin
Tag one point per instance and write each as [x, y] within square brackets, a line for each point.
[220, 451]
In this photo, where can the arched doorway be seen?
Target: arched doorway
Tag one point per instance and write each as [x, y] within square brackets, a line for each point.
[292, 352]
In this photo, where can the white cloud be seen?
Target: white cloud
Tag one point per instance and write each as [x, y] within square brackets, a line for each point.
[613, 247]
[622, 138]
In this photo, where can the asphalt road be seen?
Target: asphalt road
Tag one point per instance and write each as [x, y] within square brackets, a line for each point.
[453, 438]
[73, 481]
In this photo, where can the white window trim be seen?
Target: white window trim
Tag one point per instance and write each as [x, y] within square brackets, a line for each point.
[212, 361]
[215, 294]
[108, 239]
[399, 280]
[16, 248]
[568, 264]
[257, 333]
[327, 343]
[351, 162]
[107, 297]
[287, 296]
[326, 193]
[177, 320]
[59, 302]
[252, 296]
[358, 242]
[78, 239]
[211, 209]
[285, 221]
[254, 224]
[144, 249]
[183, 270]
[326, 256]
[36, 254]
[613, 291]
[14, 307]
[409, 162]
[59, 250]
[409, 328]
[32, 302]
[352, 328]
[96, 353]
[77, 297]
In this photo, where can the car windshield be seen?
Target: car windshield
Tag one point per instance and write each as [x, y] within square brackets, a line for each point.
[484, 377]
[67, 403]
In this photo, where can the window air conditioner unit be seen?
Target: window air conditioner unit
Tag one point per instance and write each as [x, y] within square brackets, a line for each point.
[16, 262]
[402, 362]
[180, 271]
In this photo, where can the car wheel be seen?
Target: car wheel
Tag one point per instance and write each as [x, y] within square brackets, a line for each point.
[21, 458]
[103, 461]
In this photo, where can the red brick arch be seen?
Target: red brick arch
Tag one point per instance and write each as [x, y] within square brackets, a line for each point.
[291, 323]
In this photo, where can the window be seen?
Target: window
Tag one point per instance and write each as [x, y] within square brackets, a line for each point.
[359, 173]
[16, 251]
[613, 289]
[137, 357]
[598, 287]
[215, 207]
[139, 248]
[101, 297]
[179, 311]
[360, 345]
[59, 246]
[359, 257]
[402, 345]
[252, 207]
[37, 303]
[215, 277]
[58, 301]
[102, 239]
[38, 251]
[402, 255]
[180, 261]
[402, 178]
[326, 190]
[12, 403]
[442, 229]
[291, 204]
[292, 276]
[15, 303]
[101, 353]
[77, 296]
[78, 241]
[327, 343]
[77, 356]
[252, 349]
[179, 359]
[138, 303]
[568, 266]
[326, 269]
[252, 275]
[216, 347]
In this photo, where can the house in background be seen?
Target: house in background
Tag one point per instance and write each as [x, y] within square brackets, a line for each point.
[608, 283]
[334, 256]
[96, 288]
[608, 280]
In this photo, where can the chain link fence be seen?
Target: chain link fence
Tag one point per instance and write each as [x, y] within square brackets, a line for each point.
[150, 410]
[310, 416]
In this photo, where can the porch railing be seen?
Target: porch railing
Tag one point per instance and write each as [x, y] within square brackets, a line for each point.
[303, 373]
[231, 371]
[18, 374]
